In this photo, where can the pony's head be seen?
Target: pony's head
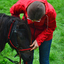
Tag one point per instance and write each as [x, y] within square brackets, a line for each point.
[17, 33]
[20, 39]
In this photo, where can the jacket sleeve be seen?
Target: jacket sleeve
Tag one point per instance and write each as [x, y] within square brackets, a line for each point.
[17, 8]
[48, 31]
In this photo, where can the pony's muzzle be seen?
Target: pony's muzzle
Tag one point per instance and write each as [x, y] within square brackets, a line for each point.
[28, 56]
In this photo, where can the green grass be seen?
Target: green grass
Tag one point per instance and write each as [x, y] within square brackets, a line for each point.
[57, 47]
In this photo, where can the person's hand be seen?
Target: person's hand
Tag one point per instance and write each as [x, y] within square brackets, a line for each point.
[34, 45]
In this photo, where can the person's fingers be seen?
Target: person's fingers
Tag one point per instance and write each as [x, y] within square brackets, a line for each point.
[33, 48]
[32, 44]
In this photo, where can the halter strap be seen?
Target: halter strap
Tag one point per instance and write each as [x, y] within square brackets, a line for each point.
[11, 41]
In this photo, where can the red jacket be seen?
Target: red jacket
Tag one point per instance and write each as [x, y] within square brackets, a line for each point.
[43, 30]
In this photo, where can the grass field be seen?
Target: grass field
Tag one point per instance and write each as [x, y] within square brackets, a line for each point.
[57, 47]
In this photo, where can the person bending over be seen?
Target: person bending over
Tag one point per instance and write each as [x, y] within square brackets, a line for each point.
[41, 18]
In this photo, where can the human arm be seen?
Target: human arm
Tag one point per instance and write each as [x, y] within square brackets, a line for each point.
[45, 34]
[17, 8]
[48, 32]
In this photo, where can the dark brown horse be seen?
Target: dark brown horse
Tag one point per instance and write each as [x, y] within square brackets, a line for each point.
[17, 33]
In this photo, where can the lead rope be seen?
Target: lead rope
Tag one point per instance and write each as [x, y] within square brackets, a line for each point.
[20, 57]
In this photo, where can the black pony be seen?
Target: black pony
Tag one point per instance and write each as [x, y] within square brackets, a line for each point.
[17, 33]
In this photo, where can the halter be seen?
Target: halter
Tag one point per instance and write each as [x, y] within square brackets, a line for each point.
[9, 38]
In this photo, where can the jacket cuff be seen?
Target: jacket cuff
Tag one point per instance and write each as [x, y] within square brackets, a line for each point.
[39, 43]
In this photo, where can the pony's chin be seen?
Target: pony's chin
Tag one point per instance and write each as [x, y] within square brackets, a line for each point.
[27, 57]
